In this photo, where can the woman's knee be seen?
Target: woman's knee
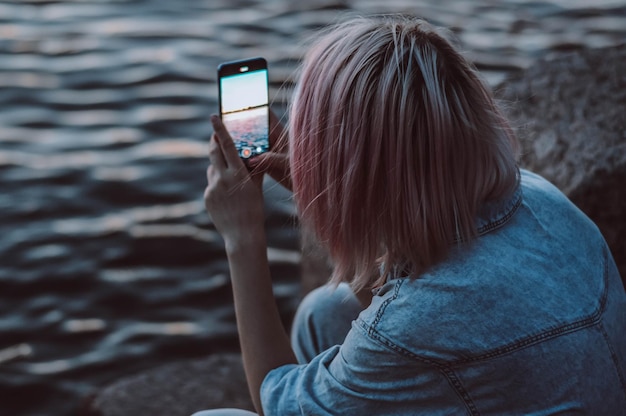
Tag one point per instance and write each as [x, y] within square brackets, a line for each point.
[327, 303]
[323, 319]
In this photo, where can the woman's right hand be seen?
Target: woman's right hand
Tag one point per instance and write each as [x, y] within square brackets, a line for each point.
[275, 162]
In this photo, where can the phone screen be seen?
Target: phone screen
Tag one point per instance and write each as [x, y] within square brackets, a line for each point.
[244, 105]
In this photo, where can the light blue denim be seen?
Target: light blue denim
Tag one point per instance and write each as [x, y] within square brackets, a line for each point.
[225, 412]
[528, 319]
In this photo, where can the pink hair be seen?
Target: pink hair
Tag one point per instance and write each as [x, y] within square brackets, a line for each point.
[395, 143]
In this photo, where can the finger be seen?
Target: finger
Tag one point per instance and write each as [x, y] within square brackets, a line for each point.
[215, 154]
[278, 136]
[231, 156]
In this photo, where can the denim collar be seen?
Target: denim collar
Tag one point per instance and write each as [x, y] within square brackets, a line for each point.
[494, 214]
[491, 216]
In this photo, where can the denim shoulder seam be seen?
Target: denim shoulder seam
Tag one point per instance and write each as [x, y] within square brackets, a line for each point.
[381, 309]
[546, 334]
[440, 366]
[592, 319]
[618, 369]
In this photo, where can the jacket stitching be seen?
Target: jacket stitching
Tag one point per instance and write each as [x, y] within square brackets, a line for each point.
[381, 308]
[618, 368]
[446, 367]
[620, 375]
[584, 322]
[492, 225]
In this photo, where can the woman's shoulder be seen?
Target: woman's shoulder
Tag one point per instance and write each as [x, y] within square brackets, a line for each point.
[535, 186]
[546, 205]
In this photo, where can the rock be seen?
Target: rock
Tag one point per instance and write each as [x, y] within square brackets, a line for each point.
[177, 389]
[569, 110]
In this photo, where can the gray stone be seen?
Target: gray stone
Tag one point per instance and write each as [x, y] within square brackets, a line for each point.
[177, 389]
[569, 110]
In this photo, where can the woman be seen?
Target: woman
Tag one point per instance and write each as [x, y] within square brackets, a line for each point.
[462, 285]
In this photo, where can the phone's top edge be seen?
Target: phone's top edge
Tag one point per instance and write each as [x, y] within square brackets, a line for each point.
[257, 59]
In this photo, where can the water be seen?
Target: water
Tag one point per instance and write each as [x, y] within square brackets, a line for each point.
[108, 262]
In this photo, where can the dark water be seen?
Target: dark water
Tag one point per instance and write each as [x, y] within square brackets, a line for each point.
[108, 262]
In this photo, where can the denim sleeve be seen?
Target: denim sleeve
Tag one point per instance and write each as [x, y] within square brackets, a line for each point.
[361, 376]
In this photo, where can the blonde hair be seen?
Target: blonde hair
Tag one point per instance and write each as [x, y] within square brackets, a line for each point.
[395, 143]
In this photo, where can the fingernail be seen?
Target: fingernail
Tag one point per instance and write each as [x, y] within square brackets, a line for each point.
[214, 118]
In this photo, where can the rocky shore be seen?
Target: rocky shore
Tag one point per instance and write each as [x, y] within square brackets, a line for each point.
[568, 109]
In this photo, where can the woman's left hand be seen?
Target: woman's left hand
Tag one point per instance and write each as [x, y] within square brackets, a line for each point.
[233, 197]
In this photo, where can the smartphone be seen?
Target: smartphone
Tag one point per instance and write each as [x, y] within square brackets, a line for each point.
[244, 104]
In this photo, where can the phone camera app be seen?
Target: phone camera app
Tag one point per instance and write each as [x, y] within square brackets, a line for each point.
[246, 152]
[245, 106]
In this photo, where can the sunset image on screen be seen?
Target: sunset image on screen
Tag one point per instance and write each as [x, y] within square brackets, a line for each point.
[245, 111]
[243, 91]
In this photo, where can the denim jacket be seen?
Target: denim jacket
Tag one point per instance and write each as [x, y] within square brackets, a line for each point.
[529, 318]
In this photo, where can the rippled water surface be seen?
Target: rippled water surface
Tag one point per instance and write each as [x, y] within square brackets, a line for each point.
[109, 264]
